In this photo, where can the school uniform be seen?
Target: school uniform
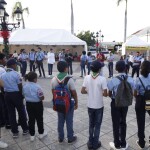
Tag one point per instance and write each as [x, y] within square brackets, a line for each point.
[23, 60]
[136, 66]
[110, 65]
[118, 114]
[39, 60]
[32, 59]
[140, 107]
[14, 99]
[89, 61]
[32, 93]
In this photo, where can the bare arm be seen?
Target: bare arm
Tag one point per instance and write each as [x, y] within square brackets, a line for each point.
[105, 93]
[41, 98]
[83, 90]
[74, 95]
[109, 93]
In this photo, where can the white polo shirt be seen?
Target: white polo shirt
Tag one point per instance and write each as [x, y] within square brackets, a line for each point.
[95, 89]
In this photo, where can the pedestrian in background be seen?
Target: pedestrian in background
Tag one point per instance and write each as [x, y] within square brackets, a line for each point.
[23, 57]
[15, 55]
[89, 61]
[50, 61]
[110, 60]
[39, 60]
[32, 59]
[34, 96]
[83, 62]
[62, 55]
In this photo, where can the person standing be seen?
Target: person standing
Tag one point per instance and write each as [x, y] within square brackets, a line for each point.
[142, 83]
[15, 55]
[68, 118]
[23, 57]
[83, 61]
[96, 87]
[39, 60]
[69, 59]
[50, 61]
[32, 59]
[62, 55]
[101, 59]
[89, 61]
[13, 96]
[136, 64]
[131, 58]
[119, 114]
[110, 60]
[34, 97]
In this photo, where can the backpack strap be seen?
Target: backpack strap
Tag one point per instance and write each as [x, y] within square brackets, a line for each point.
[142, 83]
[121, 79]
[66, 80]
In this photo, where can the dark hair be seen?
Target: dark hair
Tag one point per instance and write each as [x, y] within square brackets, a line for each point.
[120, 66]
[89, 53]
[145, 68]
[84, 52]
[61, 66]
[2, 56]
[30, 76]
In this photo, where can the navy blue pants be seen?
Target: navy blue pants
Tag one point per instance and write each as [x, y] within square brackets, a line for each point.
[23, 68]
[14, 101]
[70, 71]
[50, 69]
[32, 65]
[40, 67]
[119, 115]
[110, 67]
[95, 120]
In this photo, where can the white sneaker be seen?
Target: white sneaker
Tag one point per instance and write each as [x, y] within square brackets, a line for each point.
[32, 138]
[112, 145]
[3, 145]
[42, 135]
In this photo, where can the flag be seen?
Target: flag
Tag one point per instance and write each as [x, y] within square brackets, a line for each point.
[72, 19]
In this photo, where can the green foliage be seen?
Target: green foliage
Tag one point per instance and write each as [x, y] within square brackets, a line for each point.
[88, 37]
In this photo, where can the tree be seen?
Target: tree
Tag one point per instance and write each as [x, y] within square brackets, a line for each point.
[18, 4]
[125, 20]
[88, 37]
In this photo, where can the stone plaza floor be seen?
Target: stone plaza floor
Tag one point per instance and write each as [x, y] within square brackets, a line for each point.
[50, 142]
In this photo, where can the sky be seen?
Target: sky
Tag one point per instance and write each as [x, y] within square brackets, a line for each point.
[93, 15]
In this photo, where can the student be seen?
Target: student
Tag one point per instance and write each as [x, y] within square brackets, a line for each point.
[89, 61]
[34, 96]
[13, 95]
[83, 61]
[118, 114]
[110, 64]
[32, 59]
[63, 73]
[140, 101]
[96, 87]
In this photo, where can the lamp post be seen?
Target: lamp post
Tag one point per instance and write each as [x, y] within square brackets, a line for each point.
[102, 37]
[97, 44]
[5, 27]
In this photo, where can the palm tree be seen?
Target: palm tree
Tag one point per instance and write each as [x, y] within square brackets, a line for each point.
[125, 20]
[18, 4]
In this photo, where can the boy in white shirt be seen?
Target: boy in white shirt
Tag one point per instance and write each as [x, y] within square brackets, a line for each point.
[96, 87]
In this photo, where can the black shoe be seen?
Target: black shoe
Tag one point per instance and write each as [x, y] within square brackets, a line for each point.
[138, 144]
[40, 76]
[25, 132]
[73, 140]
[60, 140]
[8, 126]
[98, 146]
[90, 146]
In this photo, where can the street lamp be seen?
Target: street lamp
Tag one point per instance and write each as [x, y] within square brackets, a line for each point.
[6, 27]
[97, 44]
[102, 37]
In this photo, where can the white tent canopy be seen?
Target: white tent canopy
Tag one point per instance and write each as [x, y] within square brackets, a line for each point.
[44, 37]
[134, 41]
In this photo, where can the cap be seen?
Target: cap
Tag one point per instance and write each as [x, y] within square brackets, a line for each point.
[95, 66]
[12, 61]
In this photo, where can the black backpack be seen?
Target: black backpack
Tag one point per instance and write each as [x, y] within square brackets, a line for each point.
[124, 95]
[146, 96]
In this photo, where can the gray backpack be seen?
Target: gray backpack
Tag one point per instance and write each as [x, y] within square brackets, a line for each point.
[124, 93]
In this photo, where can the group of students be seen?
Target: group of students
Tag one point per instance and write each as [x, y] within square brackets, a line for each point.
[94, 85]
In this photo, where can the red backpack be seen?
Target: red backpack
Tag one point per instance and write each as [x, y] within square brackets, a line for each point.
[62, 97]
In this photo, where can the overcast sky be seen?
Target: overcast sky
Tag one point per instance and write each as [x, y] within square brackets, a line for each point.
[93, 15]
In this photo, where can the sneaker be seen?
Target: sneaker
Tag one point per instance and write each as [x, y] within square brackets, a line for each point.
[89, 145]
[125, 147]
[3, 145]
[112, 145]
[25, 132]
[15, 135]
[73, 140]
[32, 138]
[139, 146]
[42, 135]
[98, 146]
